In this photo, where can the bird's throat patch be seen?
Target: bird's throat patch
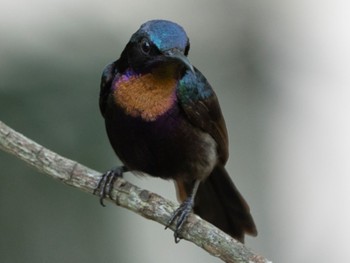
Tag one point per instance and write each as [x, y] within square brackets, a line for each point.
[147, 96]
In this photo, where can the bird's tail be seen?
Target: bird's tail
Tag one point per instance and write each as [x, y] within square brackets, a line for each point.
[219, 202]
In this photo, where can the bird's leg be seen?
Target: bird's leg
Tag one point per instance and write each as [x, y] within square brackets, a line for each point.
[105, 185]
[182, 212]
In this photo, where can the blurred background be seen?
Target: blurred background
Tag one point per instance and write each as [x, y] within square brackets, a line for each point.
[281, 72]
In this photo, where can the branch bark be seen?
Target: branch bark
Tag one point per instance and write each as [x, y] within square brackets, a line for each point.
[127, 195]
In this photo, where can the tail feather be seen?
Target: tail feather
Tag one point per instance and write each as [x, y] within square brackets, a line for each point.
[219, 202]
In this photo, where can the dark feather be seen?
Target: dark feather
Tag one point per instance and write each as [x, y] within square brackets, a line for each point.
[105, 86]
[201, 106]
[219, 202]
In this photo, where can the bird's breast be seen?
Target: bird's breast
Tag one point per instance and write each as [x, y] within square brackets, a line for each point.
[147, 96]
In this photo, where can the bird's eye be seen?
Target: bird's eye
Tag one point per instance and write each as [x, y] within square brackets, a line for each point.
[145, 46]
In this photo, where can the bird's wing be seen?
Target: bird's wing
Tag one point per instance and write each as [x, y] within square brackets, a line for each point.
[105, 86]
[201, 106]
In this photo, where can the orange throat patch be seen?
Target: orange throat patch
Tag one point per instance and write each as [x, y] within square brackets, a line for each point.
[147, 96]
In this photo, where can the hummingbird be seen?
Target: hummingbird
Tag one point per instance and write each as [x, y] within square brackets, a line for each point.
[164, 119]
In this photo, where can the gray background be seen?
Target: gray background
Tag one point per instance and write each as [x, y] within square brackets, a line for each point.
[281, 72]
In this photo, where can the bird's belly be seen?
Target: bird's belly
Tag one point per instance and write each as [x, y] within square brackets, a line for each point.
[168, 147]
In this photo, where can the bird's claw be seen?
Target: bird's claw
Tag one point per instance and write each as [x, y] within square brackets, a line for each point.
[105, 185]
[180, 215]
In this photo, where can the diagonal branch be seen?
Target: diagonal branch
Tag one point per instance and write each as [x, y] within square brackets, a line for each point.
[142, 202]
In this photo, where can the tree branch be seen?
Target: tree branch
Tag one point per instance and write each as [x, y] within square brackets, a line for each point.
[142, 202]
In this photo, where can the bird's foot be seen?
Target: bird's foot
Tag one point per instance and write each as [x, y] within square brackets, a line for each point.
[180, 215]
[105, 185]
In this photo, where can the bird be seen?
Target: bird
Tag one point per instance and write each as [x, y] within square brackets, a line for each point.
[163, 119]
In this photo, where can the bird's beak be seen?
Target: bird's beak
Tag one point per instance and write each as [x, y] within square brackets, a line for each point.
[178, 56]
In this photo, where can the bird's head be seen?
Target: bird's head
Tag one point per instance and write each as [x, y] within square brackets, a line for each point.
[158, 44]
